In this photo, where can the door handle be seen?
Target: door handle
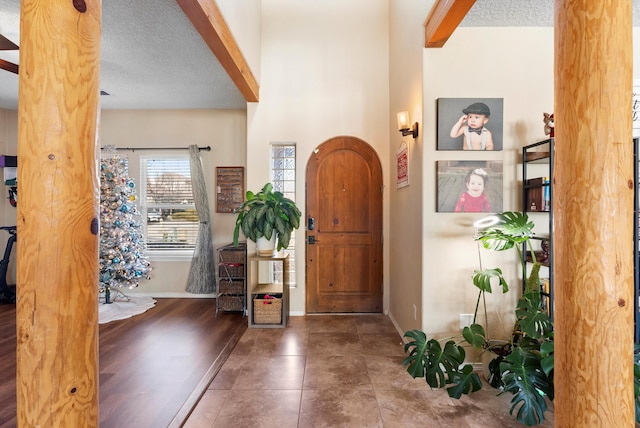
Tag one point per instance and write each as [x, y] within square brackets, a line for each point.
[311, 239]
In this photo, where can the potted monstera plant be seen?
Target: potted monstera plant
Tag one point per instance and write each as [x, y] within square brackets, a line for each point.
[268, 219]
[522, 365]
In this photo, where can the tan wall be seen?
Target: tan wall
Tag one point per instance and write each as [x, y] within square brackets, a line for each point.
[515, 64]
[223, 130]
[406, 220]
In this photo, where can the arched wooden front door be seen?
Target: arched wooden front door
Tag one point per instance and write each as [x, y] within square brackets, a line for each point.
[344, 228]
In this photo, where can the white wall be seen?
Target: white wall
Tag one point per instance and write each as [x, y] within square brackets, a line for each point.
[243, 19]
[325, 73]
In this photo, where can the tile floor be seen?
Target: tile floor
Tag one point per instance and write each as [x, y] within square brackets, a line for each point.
[335, 371]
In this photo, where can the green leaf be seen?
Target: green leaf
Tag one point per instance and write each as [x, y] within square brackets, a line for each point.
[443, 362]
[417, 358]
[279, 225]
[465, 381]
[512, 228]
[439, 366]
[546, 352]
[475, 335]
[267, 229]
[482, 279]
[495, 375]
[523, 377]
[531, 319]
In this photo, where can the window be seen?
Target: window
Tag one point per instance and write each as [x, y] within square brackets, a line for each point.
[168, 206]
[283, 178]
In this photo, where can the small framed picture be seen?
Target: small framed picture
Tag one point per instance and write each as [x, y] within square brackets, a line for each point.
[229, 188]
[470, 123]
[469, 186]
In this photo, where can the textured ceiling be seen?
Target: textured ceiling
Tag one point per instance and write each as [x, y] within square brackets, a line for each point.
[153, 58]
[520, 13]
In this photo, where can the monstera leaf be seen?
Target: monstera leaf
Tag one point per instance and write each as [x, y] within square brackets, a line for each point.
[533, 321]
[482, 279]
[512, 229]
[440, 366]
[524, 377]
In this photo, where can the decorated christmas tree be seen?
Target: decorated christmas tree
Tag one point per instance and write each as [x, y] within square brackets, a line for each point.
[122, 261]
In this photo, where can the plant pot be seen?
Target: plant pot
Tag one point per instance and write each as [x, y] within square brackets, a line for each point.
[487, 357]
[266, 247]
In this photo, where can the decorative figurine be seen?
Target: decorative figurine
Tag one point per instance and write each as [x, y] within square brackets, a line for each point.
[548, 124]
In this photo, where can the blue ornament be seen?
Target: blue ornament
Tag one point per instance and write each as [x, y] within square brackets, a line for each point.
[116, 260]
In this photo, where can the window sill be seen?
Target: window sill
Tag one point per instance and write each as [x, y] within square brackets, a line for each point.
[169, 256]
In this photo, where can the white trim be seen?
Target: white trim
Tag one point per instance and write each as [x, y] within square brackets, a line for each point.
[169, 256]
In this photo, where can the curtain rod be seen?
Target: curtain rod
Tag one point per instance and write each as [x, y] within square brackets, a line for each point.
[133, 149]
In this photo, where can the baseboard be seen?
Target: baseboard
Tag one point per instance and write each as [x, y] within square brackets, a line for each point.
[397, 327]
[174, 295]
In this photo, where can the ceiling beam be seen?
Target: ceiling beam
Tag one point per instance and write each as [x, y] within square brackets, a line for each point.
[9, 66]
[209, 22]
[443, 19]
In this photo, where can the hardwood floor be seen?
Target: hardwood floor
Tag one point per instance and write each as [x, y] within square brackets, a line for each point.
[153, 367]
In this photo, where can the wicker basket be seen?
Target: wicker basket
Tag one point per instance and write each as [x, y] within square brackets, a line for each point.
[226, 286]
[267, 311]
[230, 303]
[231, 270]
[232, 255]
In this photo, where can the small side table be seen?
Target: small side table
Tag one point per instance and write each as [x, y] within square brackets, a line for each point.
[267, 316]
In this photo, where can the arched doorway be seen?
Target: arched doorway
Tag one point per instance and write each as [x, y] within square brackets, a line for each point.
[344, 228]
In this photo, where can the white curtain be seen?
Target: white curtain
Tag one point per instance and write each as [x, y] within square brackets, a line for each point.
[202, 274]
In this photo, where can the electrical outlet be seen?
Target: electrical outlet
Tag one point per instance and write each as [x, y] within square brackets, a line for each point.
[415, 312]
[465, 320]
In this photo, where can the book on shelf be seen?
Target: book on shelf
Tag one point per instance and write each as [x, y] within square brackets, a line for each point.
[538, 194]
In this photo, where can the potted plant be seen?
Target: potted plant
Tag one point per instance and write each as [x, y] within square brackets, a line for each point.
[523, 365]
[267, 217]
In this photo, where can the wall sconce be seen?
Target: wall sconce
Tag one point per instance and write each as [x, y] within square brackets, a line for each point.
[404, 127]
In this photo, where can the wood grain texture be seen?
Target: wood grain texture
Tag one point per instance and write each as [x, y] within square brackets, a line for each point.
[444, 17]
[593, 211]
[57, 320]
[153, 367]
[344, 195]
[209, 22]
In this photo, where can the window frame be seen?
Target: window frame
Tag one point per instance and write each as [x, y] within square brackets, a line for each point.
[160, 254]
[293, 253]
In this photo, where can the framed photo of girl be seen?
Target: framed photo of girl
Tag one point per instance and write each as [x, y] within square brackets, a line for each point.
[470, 123]
[469, 186]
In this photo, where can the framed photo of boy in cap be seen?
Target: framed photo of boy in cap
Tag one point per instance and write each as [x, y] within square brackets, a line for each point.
[470, 123]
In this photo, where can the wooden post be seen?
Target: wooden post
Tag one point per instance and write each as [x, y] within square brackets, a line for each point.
[57, 218]
[593, 214]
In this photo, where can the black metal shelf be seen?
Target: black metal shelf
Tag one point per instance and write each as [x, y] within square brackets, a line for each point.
[541, 152]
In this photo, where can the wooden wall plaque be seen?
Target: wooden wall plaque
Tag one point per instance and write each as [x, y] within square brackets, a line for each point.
[229, 188]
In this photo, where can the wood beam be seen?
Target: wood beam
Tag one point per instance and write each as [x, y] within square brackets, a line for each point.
[57, 216]
[443, 19]
[593, 194]
[209, 22]
[9, 66]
